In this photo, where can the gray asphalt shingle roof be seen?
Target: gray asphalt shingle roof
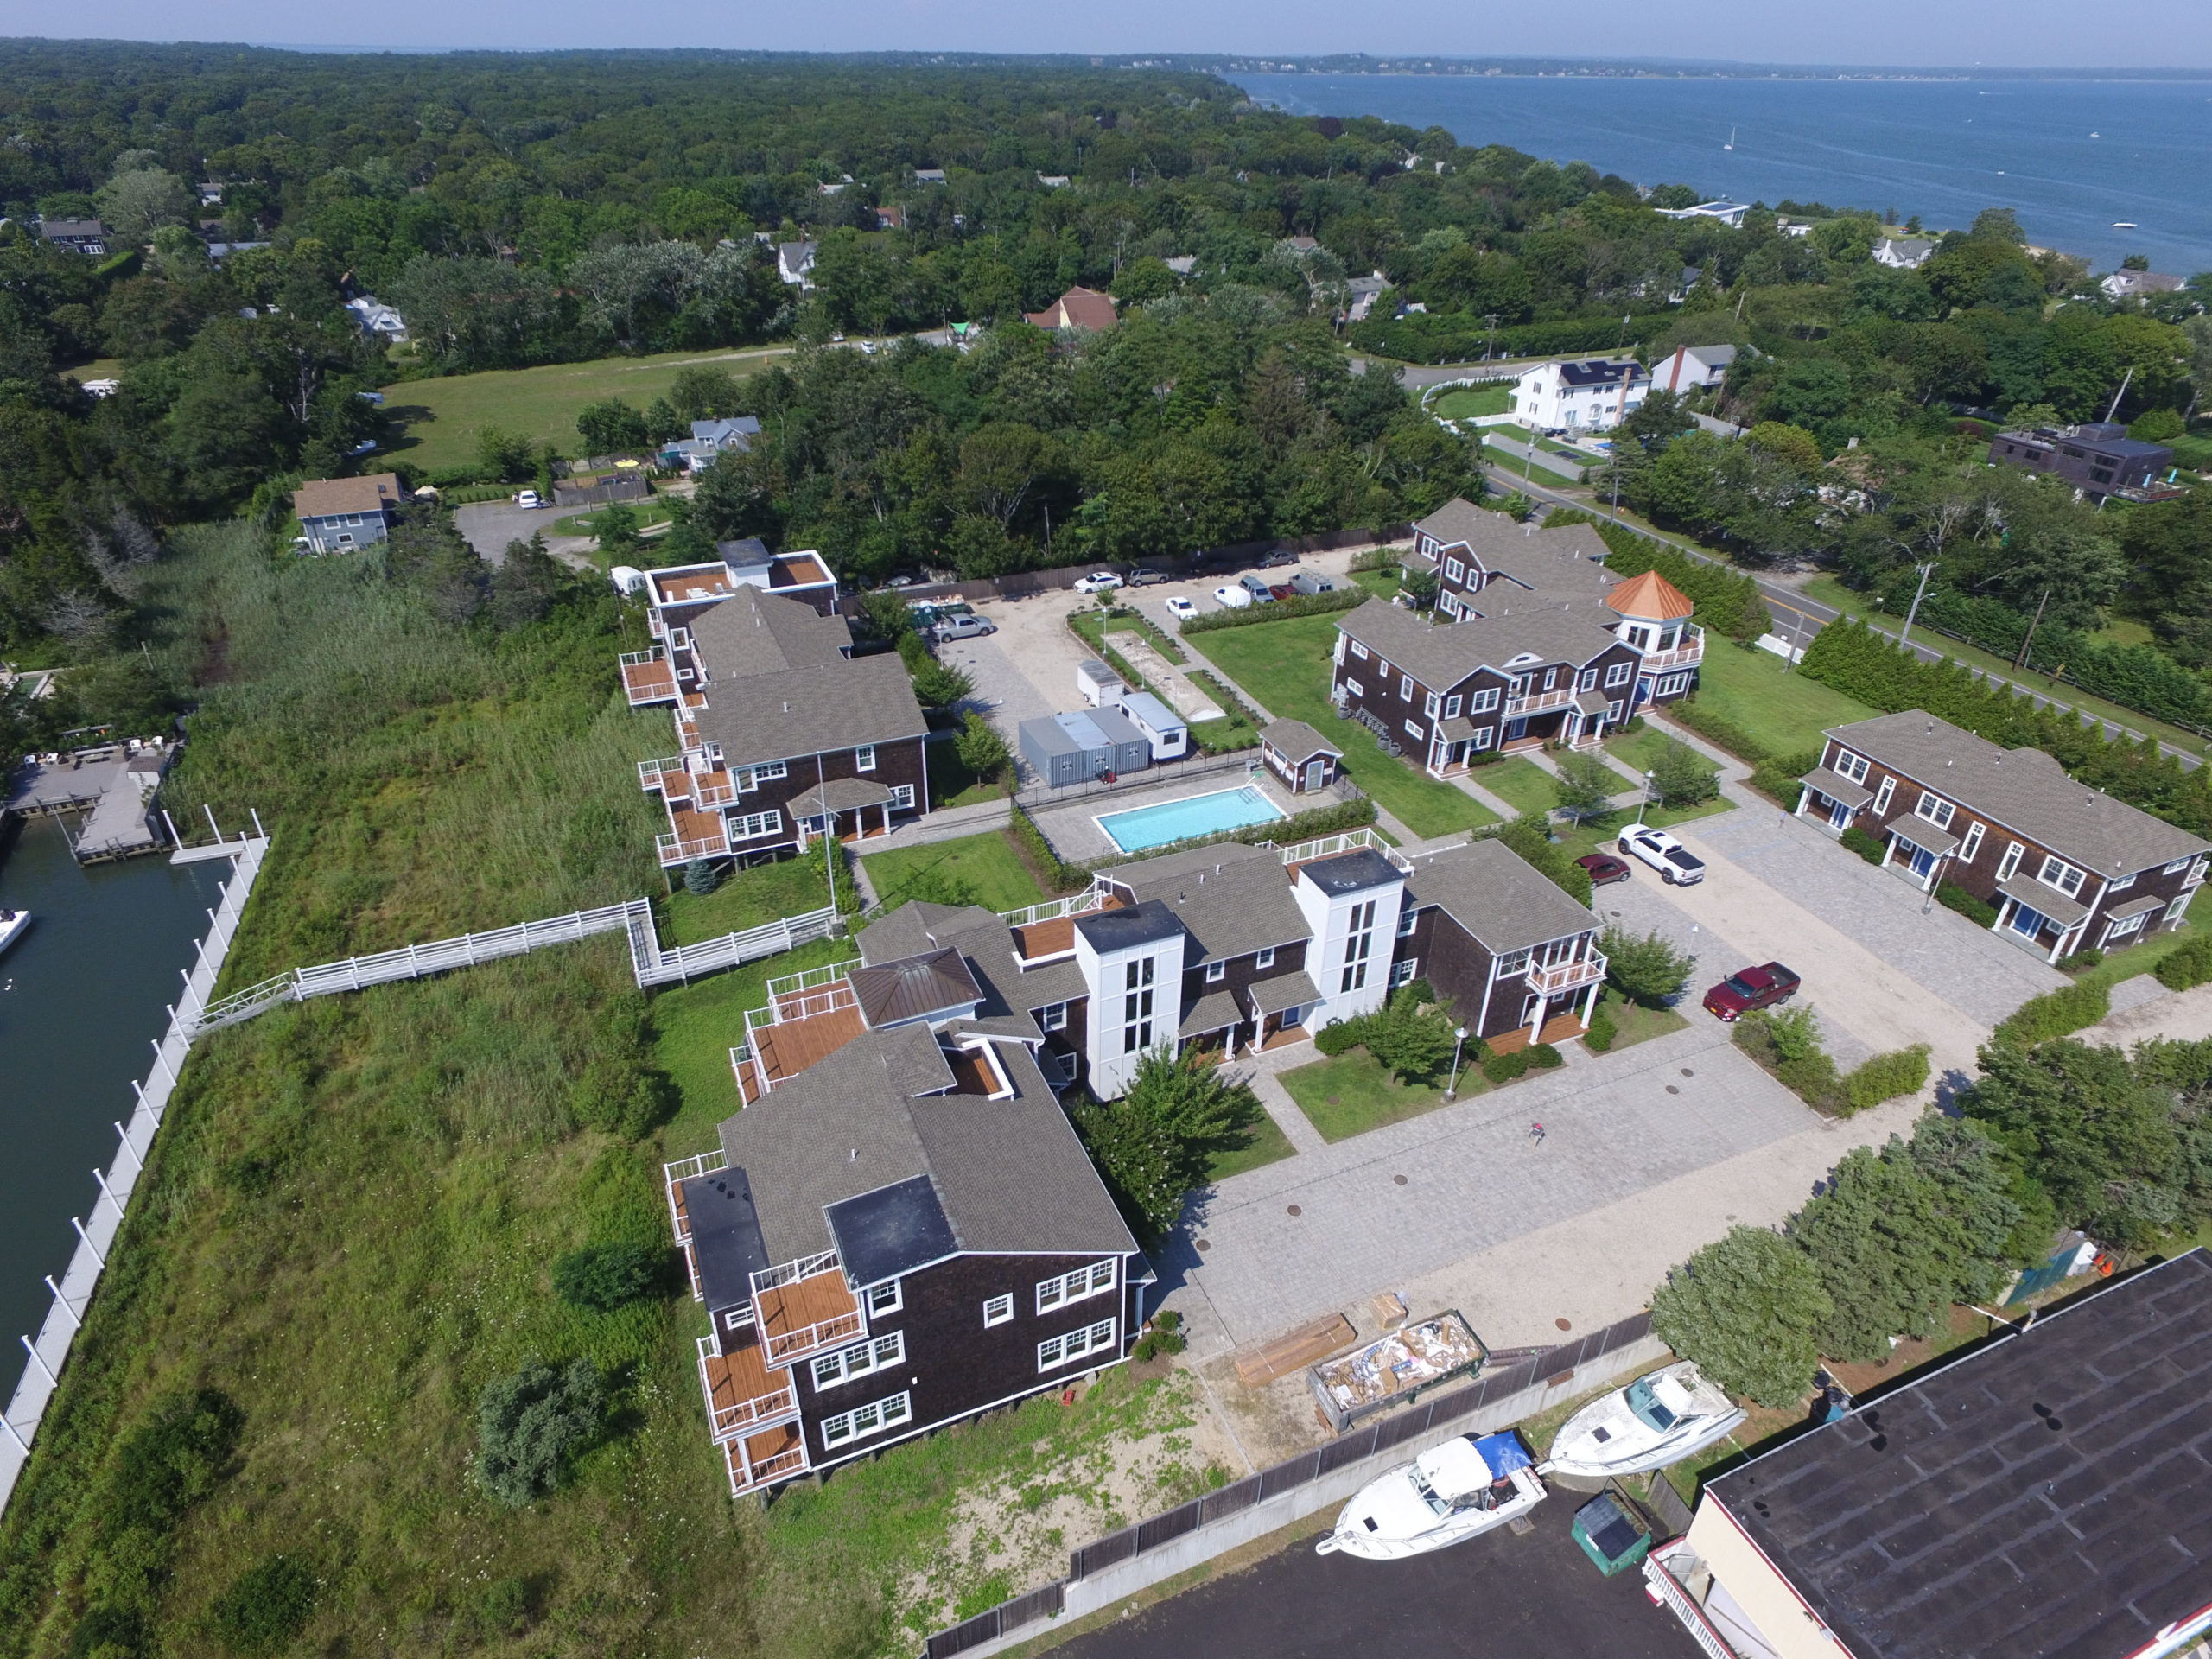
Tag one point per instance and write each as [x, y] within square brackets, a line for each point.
[1439, 657]
[1501, 899]
[2023, 790]
[1010, 1174]
[1295, 740]
[754, 632]
[1231, 900]
[2046, 1497]
[804, 711]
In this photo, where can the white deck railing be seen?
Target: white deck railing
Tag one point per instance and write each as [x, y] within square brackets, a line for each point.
[1688, 653]
[1300, 852]
[728, 1421]
[1668, 1591]
[1089, 898]
[650, 772]
[790, 1273]
[1566, 976]
[812, 979]
[1537, 703]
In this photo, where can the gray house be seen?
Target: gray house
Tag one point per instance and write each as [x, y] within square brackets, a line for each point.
[1074, 748]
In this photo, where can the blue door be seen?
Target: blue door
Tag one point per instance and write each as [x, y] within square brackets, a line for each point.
[1839, 815]
[2026, 923]
[1922, 861]
[1517, 728]
[1642, 690]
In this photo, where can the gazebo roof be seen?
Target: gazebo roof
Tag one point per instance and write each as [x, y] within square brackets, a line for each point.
[1650, 597]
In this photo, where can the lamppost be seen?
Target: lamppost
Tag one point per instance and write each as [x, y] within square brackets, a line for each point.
[1458, 1045]
[1643, 800]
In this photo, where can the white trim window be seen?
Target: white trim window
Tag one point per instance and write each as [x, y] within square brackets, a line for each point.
[1405, 687]
[1053, 1016]
[1935, 808]
[1452, 706]
[1882, 796]
[2123, 884]
[1359, 650]
[1355, 687]
[2126, 926]
[1409, 917]
[1482, 739]
[1084, 1282]
[1265, 957]
[864, 1421]
[2009, 866]
[1216, 972]
[1454, 571]
[1972, 844]
[767, 771]
[1587, 681]
[1055, 1351]
[1850, 766]
[1671, 684]
[859, 1360]
[2175, 910]
[2178, 864]
[902, 797]
[1618, 674]
[1613, 711]
[1402, 973]
[997, 1310]
[1416, 731]
[883, 1299]
[1482, 701]
[1432, 705]
[864, 758]
[751, 826]
[2057, 873]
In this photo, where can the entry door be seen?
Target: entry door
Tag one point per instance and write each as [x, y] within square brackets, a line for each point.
[2024, 922]
[1922, 861]
[1517, 728]
[1314, 774]
[1839, 815]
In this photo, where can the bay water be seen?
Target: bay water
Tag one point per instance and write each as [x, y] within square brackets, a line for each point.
[83, 997]
[2069, 157]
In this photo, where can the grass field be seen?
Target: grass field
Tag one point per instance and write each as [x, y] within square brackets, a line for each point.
[1640, 751]
[1777, 706]
[1468, 402]
[1264, 1142]
[755, 897]
[984, 869]
[1829, 591]
[1521, 783]
[1635, 1022]
[441, 416]
[1285, 665]
[1352, 1094]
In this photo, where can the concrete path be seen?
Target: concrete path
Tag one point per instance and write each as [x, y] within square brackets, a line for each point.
[1473, 1180]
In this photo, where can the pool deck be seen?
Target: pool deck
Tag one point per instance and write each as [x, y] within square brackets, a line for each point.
[1074, 831]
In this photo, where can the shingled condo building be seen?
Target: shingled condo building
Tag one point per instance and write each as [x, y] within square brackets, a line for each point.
[2044, 1498]
[783, 735]
[2067, 867]
[1515, 956]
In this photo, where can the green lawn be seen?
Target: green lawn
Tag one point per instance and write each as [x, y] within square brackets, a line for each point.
[441, 416]
[1285, 665]
[981, 870]
[1468, 402]
[1777, 706]
[1635, 1022]
[1640, 750]
[1602, 834]
[1829, 591]
[753, 898]
[950, 782]
[648, 513]
[1263, 1143]
[2142, 958]
[1383, 584]
[1352, 1094]
[1521, 783]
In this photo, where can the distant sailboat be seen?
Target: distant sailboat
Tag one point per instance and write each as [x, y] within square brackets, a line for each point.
[1730, 144]
[2096, 134]
[2123, 225]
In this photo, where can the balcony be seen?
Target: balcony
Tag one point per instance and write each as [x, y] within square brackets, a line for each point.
[1046, 932]
[1537, 703]
[762, 1460]
[742, 1395]
[1563, 976]
[647, 677]
[667, 775]
[801, 1024]
[1688, 654]
[682, 847]
[802, 1307]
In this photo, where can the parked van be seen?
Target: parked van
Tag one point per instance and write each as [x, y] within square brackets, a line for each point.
[1306, 582]
[1257, 586]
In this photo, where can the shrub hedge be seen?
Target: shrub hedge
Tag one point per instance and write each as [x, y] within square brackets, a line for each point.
[1424, 337]
[1951, 896]
[1864, 843]
[1885, 1076]
[1602, 1033]
[2054, 1014]
[2187, 964]
[1280, 610]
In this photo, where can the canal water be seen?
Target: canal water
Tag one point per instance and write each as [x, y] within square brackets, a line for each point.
[82, 1001]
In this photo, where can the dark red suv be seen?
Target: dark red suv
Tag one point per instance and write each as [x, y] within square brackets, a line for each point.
[1750, 987]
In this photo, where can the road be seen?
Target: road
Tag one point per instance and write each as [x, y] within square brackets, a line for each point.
[1797, 612]
[1495, 1597]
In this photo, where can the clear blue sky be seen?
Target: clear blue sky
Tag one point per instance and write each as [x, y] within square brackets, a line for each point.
[2020, 33]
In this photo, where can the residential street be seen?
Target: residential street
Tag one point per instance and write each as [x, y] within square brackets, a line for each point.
[1495, 1597]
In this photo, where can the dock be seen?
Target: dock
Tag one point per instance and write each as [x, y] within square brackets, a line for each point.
[109, 787]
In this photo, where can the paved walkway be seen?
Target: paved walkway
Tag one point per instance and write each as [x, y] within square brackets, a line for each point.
[1473, 1180]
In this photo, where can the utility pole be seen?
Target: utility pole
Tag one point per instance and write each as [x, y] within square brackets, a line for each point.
[1490, 350]
[2115, 408]
[1904, 634]
[2021, 661]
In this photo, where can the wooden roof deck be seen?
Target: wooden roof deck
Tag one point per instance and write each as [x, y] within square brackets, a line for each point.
[808, 1314]
[743, 1393]
[1055, 937]
[649, 681]
[691, 826]
[784, 1050]
[774, 1454]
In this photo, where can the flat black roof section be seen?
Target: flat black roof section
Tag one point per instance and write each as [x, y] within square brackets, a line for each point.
[889, 1232]
[1131, 925]
[725, 1236]
[2048, 1497]
[1351, 871]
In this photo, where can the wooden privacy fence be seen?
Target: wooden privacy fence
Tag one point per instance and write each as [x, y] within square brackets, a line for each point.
[1406, 1428]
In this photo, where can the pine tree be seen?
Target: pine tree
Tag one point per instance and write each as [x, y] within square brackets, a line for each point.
[1746, 1309]
[1880, 1237]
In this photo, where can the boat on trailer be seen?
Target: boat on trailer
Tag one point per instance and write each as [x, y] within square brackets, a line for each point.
[1451, 1493]
[1661, 1418]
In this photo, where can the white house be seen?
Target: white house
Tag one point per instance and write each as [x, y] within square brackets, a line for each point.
[1728, 213]
[711, 438]
[795, 263]
[1693, 368]
[1903, 252]
[1594, 394]
[377, 318]
[1360, 295]
[2138, 284]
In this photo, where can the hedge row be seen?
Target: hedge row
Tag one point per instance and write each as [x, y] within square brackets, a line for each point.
[1424, 337]
[1302, 826]
[2135, 676]
[1280, 610]
[2186, 964]
[2055, 1013]
[1873, 668]
[1728, 601]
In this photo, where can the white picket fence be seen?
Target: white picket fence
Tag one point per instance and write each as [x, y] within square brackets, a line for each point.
[96, 1235]
[198, 1014]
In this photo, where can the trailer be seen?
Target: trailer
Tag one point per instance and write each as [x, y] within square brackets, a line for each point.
[1392, 1370]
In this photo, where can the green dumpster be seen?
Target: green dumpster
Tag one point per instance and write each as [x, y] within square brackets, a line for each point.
[1611, 1535]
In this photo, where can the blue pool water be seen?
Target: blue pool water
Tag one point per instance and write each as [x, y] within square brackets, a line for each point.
[1194, 815]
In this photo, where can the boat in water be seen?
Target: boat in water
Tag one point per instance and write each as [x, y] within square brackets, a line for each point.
[1659, 1419]
[1730, 144]
[12, 924]
[1453, 1491]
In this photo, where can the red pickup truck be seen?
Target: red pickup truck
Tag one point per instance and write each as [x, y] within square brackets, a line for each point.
[1750, 987]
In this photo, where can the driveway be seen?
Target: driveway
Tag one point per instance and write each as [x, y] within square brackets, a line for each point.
[1495, 1597]
[489, 526]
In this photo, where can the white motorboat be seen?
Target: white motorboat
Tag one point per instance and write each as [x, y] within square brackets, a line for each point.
[12, 923]
[1659, 1419]
[1451, 1491]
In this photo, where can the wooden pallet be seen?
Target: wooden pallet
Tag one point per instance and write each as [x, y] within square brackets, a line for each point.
[1295, 1349]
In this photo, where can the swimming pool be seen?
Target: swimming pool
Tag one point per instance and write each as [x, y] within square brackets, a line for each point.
[1194, 815]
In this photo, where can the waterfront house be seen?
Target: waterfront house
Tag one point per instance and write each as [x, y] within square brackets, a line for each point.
[1589, 395]
[2041, 1496]
[783, 734]
[338, 515]
[2138, 284]
[1730, 213]
[1903, 252]
[2066, 867]
[2096, 457]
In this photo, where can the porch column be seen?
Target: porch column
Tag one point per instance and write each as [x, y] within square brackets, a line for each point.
[1536, 1024]
[1590, 1002]
[1804, 794]
[2004, 909]
[1888, 847]
[2059, 949]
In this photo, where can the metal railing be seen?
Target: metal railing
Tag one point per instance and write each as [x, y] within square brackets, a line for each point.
[790, 1273]
[674, 850]
[789, 1011]
[1566, 976]
[757, 1475]
[650, 772]
[1686, 655]
[785, 985]
[1300, 852]
[1082, 904]
[728, 1421]
[680, 965]
[704, 795]
[782, 1348]
[638, 659]
[1151, 778]
[1668, 1592]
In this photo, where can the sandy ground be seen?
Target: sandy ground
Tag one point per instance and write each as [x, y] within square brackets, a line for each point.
[2185, 1016]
